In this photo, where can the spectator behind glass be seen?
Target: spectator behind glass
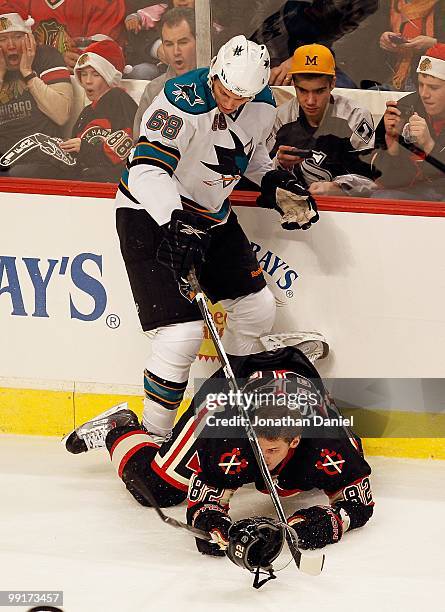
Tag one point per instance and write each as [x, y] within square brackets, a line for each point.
[64, 24]
[179, 47]
[103, 133]
[413, 164]
[146, 52]
[142, 24]
[416, 25]
[331, 131]
[35, 101]
[300, 23]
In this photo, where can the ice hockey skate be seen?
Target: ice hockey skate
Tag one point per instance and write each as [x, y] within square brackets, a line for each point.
[92, 434]
[312, 344]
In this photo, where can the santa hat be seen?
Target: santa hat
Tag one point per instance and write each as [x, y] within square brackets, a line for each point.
[433, 63]
[107, 58]
[14, 22]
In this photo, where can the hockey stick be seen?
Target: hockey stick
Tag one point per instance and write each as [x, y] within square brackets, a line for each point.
[431, 160]
[310, 565]
[144, 490]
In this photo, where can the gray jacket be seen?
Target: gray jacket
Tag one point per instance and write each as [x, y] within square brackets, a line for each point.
[152, 89]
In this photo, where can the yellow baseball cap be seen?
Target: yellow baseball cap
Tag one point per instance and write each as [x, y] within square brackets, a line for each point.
[313, 59]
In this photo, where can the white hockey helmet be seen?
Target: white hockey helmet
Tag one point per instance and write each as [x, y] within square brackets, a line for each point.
[242, 66]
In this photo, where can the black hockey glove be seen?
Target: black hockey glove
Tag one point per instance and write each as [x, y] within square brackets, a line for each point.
[185, 243]
[281, 191]
[217, 524]
[317, 526]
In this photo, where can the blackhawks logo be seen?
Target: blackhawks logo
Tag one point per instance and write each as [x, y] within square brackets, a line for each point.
[331, 462]
[51, 32]
[83, 59]
[5, 24]
[425, 65]
[232, 463]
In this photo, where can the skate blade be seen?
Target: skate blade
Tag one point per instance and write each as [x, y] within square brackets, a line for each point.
[313, 344]
[103, 415]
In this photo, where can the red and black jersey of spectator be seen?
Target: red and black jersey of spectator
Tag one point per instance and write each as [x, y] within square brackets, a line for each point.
[78, 18]
[106, 130]
[19, 114]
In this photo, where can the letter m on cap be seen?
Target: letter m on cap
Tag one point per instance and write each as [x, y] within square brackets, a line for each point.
[311, 61]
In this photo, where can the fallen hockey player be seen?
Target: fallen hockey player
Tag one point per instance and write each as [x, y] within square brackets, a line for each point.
[205, 460]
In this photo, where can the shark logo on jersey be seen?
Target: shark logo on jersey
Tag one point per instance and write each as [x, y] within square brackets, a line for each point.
[188, 93]
[232, 163]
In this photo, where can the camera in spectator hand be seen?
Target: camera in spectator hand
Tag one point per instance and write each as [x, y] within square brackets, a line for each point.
[406, 110]
[397, 39]
[302, 153]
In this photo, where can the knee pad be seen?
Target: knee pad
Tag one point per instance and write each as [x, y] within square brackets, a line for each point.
[174, 349]
[248, 318]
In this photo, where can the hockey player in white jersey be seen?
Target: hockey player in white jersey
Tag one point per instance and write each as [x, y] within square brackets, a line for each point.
[200, 135]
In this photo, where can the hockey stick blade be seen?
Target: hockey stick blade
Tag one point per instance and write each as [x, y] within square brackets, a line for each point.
[312, 568]
[312, 565]
[308, 564]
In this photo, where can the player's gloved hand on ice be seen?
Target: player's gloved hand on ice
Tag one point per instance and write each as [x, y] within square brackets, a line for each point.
[186, 241]
[280, 190]
[217, 524]
[317, 526]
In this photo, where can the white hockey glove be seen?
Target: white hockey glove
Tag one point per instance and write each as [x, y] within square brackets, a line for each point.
[281, 191]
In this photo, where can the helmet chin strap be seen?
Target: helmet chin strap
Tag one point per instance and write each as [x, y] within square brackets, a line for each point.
[257, 583]
[211, 79]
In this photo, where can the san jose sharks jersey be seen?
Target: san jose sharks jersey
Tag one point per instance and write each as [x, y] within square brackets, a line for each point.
[190, 155]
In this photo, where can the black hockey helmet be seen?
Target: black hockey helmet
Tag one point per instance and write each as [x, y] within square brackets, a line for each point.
[254, 543]
[285, 389]
[279, 382]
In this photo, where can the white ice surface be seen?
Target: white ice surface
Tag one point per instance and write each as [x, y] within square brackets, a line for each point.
[67, 523]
